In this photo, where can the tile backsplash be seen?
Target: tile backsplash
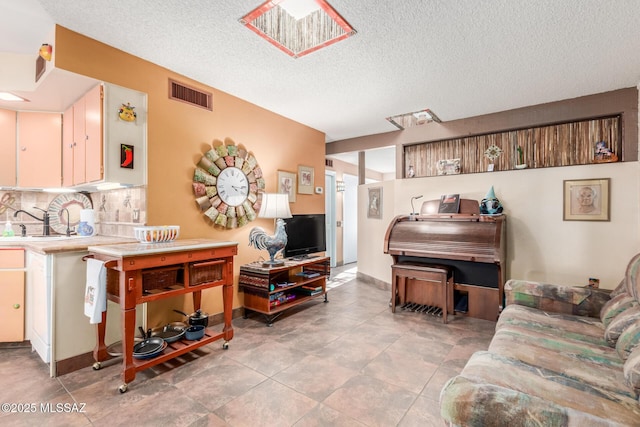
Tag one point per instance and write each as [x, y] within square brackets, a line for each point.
[117, 212]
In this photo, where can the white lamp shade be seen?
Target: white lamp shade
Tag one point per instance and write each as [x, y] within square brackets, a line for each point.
[275, 205]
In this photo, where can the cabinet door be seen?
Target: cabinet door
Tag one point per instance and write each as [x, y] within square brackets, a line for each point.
[93, 130]
[8, 148]
[12, 306]
[39, 154]
[67, 148]
[12, 295]
[79, 142]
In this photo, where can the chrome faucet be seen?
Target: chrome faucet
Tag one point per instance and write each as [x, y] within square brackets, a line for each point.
[45, 219]
[68, 229]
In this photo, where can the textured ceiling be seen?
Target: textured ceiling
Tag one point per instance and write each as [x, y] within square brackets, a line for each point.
[458, 58]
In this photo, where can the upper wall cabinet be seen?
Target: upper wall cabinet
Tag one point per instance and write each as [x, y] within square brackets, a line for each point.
[82, 143]
[39, 157]
[105, 138]
[8, 148]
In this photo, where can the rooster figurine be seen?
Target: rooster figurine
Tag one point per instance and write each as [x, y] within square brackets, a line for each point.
[259, 239]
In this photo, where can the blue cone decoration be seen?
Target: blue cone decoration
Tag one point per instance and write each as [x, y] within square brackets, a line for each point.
[490, 205]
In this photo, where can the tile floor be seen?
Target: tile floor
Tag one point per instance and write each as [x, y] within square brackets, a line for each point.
[350, 362]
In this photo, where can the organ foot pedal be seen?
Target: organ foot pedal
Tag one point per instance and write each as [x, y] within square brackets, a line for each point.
[422, 308]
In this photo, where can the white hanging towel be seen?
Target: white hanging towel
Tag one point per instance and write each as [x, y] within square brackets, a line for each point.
[95, 294]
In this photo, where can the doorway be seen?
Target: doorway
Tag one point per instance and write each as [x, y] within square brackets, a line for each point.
[350, 219]
[330, 214]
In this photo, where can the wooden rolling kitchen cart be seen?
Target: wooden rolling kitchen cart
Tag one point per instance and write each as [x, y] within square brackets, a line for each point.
[271, 291]
[143, 272]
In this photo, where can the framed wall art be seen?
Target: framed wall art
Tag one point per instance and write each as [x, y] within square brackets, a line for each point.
[586, 200]
[448, 167]
[374, 207]
[287, 184]
[305, 180]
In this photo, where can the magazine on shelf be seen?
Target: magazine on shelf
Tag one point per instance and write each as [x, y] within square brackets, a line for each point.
[449, 203]
[308, 274]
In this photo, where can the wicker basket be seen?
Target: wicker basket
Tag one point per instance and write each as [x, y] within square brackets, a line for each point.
[159, 278]
[206, 272]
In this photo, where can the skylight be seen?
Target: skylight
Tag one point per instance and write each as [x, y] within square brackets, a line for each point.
[298, 27]
[416, 118]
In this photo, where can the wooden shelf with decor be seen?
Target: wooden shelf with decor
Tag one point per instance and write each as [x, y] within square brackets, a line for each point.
[272, 291]
[582, 142]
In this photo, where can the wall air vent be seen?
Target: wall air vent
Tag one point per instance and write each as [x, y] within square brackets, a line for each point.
[328, 162]
[181, 92]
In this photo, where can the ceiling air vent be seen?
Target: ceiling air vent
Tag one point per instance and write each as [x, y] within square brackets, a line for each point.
[181, 92]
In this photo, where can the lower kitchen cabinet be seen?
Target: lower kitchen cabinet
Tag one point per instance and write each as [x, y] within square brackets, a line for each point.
[12, 295]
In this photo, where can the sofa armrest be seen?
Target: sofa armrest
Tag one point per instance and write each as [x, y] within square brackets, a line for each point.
[577, 300]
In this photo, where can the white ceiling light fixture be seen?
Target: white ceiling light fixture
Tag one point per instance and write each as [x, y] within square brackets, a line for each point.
[416, 118]
[298, 27]
[7, 96]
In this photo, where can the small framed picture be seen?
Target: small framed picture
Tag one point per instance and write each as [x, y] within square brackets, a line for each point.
[374, 207]
[126, 156]
[287, 184]
[586, 200]
[305, 180]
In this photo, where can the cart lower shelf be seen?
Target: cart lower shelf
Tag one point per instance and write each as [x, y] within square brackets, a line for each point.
[172, 350]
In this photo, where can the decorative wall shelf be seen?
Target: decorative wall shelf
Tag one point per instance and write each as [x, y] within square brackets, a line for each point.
[563, 144]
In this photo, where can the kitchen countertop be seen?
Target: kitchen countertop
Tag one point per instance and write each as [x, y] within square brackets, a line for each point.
[70, 244]
[137, 248]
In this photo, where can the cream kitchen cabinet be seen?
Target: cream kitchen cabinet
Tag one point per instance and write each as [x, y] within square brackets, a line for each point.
[39, 156]
[8, 148]
[82, 142]
[12, 295]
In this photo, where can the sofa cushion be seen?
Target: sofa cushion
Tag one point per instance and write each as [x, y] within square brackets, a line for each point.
[620, 289]
[615, 306]
[621, 322]
[628, 340]
[574, 364]
[632, 369]
[632, 276]
[560, 299]
[588, 329]
[497, 390]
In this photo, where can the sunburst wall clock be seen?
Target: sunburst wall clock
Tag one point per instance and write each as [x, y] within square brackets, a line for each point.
[226, 183]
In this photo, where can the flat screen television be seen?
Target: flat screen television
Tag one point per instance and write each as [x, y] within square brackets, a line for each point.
[306, 235]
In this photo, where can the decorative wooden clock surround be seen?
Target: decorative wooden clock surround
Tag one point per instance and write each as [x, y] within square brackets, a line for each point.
[226, 183]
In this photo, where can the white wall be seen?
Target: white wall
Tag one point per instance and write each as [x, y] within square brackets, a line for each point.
[540, 245]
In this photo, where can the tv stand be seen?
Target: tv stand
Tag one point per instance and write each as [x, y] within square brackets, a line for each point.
[271, 291]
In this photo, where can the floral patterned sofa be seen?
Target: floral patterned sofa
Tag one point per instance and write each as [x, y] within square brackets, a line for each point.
[561, 356]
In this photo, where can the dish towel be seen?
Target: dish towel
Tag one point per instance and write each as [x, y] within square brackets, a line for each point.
[95, 294]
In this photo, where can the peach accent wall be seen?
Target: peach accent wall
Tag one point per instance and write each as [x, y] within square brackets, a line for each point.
[178, 135]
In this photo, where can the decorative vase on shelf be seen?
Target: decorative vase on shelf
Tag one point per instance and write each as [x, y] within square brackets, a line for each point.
[490, 205]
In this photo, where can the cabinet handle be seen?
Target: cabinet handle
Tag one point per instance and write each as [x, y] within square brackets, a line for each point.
[23, 148]
[16, 306]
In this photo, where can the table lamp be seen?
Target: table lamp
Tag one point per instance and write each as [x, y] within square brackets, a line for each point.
[274, 205]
